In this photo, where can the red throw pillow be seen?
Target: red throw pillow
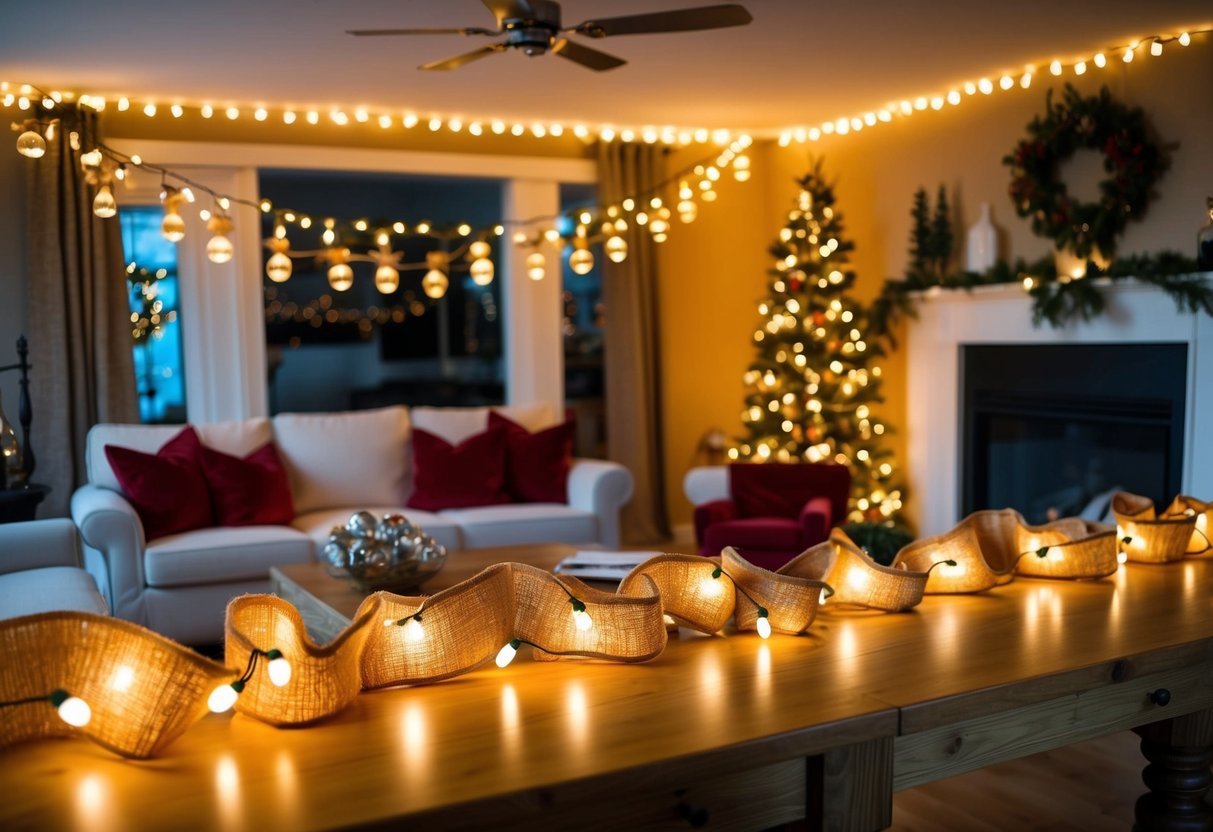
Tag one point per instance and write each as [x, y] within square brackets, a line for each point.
[537, 464]
[471, 473]
[167, 488]
[253, 491]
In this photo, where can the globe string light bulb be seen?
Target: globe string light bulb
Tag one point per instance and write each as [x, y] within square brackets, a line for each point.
[506, 654]
[219, 249]
[224, 697]
[278, 267]
[72, 709]
[616, 248]
[581, 261]
[482, 271]
[31, 145]
[536, 265]
[435, 284]
[387, 279]
[479, 250]
[340, 273]
[104, 205]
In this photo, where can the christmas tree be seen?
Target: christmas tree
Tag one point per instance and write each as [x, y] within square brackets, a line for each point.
[813, 387]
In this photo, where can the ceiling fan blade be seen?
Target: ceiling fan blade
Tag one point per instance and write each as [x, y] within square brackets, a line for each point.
[466, 58]
[584, 55]
[473, 30]
[679, 20]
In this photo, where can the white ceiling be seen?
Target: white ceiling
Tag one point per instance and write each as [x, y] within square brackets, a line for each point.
[798, 62]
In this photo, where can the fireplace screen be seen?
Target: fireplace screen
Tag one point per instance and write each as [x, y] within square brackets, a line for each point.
[1053, 431]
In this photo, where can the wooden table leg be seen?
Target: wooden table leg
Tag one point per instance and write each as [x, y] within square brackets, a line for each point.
[851, 788]
[1180, 751]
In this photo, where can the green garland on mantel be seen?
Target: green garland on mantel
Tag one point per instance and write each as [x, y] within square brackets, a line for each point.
[1058, 300]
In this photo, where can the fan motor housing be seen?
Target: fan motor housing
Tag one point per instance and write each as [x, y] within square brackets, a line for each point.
[533, 40]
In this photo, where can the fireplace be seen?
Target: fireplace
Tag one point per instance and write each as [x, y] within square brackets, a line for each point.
[1054, 429]
[1026, 429]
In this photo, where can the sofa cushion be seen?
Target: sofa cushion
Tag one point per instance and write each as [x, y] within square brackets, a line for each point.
[777, 533]
[253, 491]
[238, 438]
[45, 590]
[211, 556]
[455, 424]
[166, 488]
[471, 473]
[523, 523]
[536, 463]
[318, 524]
[339, 460]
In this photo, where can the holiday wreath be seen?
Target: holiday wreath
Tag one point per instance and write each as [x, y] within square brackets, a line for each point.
[1134, 164]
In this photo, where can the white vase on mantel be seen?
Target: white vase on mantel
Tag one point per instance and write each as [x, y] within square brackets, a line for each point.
[982, 244]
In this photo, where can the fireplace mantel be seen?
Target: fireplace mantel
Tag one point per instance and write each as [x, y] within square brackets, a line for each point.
[948, 320]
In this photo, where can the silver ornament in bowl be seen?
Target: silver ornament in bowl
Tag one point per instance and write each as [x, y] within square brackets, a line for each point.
[388, 553]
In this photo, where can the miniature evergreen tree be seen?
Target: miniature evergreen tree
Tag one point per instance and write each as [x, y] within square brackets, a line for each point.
[920, 234]
[941, 235]
[814, 385]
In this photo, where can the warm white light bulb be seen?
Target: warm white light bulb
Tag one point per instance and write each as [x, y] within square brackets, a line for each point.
[536, 266]
[277, 268]
[341, 276]
[173, 227]
[581, 261]
[482, 271]
[75, 711]
[1185, 39]
[763, 626]
[387, 279]
[582, 619]
[413, 631]
[435, 283]
[31, 145]
[479, 250]
[506, 654]
[104, 205]
[617, 248]
[222, 699]
[219, 249]
[1122, 557]
[280, 671]
[711, 587]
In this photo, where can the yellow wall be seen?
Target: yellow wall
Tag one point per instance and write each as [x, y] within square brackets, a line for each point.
[714, 271]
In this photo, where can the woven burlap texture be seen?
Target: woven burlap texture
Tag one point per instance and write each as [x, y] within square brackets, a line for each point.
[323, 679]
[689, 593]
[143, 689]
[791, 601]
[989, 547]
[857, 580]
[466, 625]
[1200, 541]
[1152, 539]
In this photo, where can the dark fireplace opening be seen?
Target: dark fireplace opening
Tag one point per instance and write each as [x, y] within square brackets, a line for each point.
[1054, 430]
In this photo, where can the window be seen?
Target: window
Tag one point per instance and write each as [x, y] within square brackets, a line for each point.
[155, 328]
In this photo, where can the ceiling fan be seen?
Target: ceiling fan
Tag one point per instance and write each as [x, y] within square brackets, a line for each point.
[534, 27]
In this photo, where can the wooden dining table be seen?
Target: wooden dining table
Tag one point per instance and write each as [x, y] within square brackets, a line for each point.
[729, 730]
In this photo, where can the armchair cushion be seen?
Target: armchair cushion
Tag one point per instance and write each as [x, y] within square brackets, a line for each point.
[215, 556]
[253, 491]
[53, 588]
[167, 488]
[816, 520]
[471, 473]
[536, 464]
[781, 490]
[707, 514]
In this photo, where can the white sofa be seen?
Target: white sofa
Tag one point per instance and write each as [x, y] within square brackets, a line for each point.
[338, 463]
[41, 570]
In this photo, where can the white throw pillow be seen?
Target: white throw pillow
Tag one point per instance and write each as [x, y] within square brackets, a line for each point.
[345, 460]
[455, 424]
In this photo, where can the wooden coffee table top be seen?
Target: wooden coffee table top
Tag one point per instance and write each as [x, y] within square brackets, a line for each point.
[310, 585]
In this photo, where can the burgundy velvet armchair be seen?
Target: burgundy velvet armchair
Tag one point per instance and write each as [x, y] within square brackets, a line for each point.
[773, 511]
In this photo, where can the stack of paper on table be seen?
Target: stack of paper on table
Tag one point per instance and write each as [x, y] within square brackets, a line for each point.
[601, 565]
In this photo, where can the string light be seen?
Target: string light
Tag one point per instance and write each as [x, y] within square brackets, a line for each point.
[71, 709]
[278, 669]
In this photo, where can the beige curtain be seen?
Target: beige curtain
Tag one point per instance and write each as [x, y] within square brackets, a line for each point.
[79, 318]
[632, 360]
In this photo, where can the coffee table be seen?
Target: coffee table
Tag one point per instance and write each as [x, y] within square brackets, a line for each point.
[328, 604]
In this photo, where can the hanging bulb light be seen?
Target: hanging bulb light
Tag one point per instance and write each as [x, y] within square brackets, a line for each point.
[435, 282]
[479, 250]
[616, 249]
[328, 236]
[741, 167]
[31, 145]
[688, 210]
[104, 205]
[219, 249]
[581, 261]
[172, 227]
[340, 274]
[536, 265]
[279, 266]
[387, 279]
[482, 271]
